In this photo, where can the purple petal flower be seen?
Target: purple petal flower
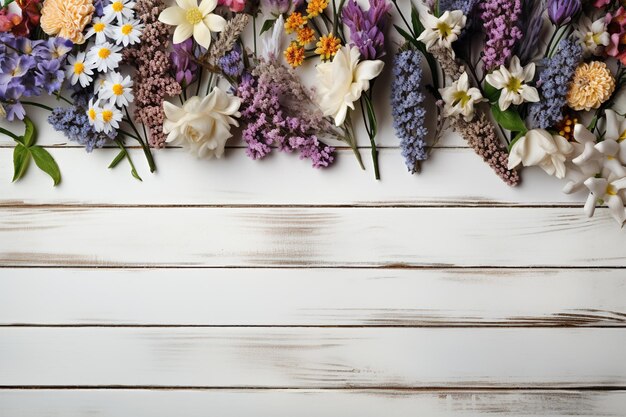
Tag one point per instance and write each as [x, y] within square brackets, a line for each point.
[9, 96]
[367, 29]
[182, 61]
[15, 68]
[49, 75]
[561, 12]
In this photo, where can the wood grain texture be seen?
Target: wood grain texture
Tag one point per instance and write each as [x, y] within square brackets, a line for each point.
[182, 179]
[320, 237]
[313, 357]
[313, 297]
[310, 403]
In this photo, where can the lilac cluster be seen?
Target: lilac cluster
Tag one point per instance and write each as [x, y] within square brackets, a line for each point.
[270, 123]
[554, 81]
[407, 107]
[367, 30]
[231, 63]
[29, 68]
[73, 122]
[183, 62]
[500, 19]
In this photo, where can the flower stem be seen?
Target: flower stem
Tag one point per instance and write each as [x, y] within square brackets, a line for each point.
[144, 146]
[133, 170]
[9, 133]
[370, 127]
[350, 139]
[408, 26]
[32, 103]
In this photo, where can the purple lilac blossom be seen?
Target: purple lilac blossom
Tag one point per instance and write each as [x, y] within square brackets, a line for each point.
[561, 12]
[367, 29]
[500, 19]
[74, 124]
[231, 63]
[407, 107]
[269, 124]
[182, 63]
[553, 84]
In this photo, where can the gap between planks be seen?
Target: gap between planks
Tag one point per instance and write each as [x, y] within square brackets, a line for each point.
[373, 388]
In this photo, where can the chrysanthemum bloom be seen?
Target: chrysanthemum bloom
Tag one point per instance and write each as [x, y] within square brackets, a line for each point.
[306, 35]
[327, 46]
[66, 18]
[592, 85]
[294, 22]
[316, 7]
[294, 54]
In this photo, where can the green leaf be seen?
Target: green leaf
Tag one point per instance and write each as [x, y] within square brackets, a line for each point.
[120, 156]
[418, 28]
[491, 93]
[134, 173]
[21, 160]
[46, 163]
[508, 119]
[267, 25]
[406, 35]
[30, 133]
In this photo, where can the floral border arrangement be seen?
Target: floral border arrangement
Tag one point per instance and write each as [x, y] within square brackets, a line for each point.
[119, 71]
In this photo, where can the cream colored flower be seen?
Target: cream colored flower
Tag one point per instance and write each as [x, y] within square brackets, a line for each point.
[459, 98]
[342, 81]
[194, 20]
[66, 18]
[593, 84]
[592, 35]
[609, 191]
[512, 81]
[442, 31]
[605, 155]
[539, 148]
[202, 124]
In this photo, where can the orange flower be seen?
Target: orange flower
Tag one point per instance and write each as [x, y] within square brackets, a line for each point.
[316, 7]
[593, 84]
[294, 22]
[294, 55]
[327, 46]
[306, 35]
[66, 18]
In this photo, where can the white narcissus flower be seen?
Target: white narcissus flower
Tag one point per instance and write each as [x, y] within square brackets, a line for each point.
[539, 148]
[202, 124]
[592, 34]
[194, 20]
[615, 129]
[607, 191]
[460, 98]
[606, 154]
[442, 31]
[512, 81]
[342, 81]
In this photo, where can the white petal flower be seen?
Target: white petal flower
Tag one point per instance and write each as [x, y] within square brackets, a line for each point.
[592, 35]
[104, 57]
[78, 71]
[202, 125]
[539, 148]
[127, 33]
[606, 154]
[108, 118]
[342, 81]
[442, 31]
[272, 43]
[512, 82]
[117, 90]
[607, 191]
[194, 20]
[120, 10]
[101, 28]
[460, 98]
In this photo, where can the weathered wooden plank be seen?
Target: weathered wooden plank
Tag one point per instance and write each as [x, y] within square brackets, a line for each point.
[313, 297]
[309, 403]
[454, 176]
[313, 357]
[270, 237]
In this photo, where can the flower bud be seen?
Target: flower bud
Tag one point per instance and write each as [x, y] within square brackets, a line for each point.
[561, 12]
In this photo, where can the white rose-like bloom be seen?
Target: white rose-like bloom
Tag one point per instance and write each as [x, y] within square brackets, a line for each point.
[342, 81]
[193, 19]
[512, 81]
[459, 98]
[202, 125]
[442, 31]
[539, 148]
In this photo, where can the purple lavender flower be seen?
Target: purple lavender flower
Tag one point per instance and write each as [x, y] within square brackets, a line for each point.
[15, 68]
[231, 63]
[29, 47]
[554, 81]
[49, 75]
[367, 29]
[500, 19]
[9, 97]
[407, 107]
[56, 48]
[74, 124]
[561, 12]
[182, 62]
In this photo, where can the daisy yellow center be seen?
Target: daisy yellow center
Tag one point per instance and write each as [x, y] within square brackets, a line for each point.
[92, 114]
[118, 6]
[444, 29]
[98, 27]
[126, 29]
[118, 89]
[610, 190]
[107, 115]
[514, 84]
[79, 68]
[461, 97]
[194, 16]
[104, 53]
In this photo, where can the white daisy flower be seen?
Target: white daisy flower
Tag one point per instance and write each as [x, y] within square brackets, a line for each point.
[104, 57]
[512, 81]
[93, 111]
[120, 10]
[108, 118]
[117, 90]
[127, 33]
[101, 27]
[78, 71]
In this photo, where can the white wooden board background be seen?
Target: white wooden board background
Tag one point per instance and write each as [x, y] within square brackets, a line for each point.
[242, 288]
